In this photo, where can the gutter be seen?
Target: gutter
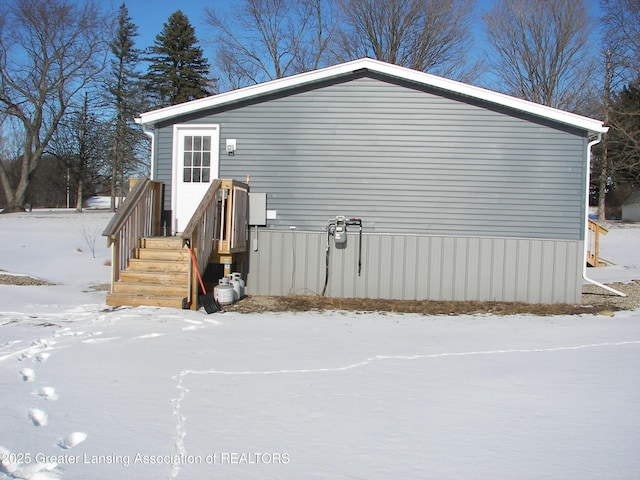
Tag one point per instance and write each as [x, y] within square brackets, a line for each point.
[150, 134]
[586, 221]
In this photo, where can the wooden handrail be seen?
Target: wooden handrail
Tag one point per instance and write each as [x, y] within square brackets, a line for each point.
[210, 197]
[138, 216]
[593, 244]
[212, 225]
[201, 235]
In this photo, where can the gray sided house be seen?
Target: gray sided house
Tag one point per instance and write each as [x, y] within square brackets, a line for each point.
[631, 207]
[456, 192]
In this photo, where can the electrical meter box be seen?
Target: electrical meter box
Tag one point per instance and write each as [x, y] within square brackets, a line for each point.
[257, 208]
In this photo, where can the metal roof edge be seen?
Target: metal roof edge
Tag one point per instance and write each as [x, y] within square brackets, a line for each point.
[377, 66]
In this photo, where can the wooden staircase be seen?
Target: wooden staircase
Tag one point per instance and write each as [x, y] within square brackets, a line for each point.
[147, 269]
[158, 274]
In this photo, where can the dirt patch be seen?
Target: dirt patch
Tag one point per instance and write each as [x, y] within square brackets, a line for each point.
[21, 280]
[594, 300]
[99, 287]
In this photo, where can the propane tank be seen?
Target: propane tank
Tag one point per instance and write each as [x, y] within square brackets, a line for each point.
[238, 284]
[224, 292]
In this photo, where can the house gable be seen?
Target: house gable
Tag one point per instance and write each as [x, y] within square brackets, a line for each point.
[366, 65]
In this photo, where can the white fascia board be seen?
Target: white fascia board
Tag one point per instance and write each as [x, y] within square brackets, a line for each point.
[584, 123]
[245, 93]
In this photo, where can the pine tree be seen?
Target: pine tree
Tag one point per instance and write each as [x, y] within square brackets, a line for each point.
[178, 70]
[125, 92]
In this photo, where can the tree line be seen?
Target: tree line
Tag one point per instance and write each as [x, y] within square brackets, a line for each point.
[72, 79]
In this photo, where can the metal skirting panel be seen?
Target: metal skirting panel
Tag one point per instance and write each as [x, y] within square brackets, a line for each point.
[413, 267]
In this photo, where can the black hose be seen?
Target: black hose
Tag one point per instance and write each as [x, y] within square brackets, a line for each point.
[326, 262]
[360, 250]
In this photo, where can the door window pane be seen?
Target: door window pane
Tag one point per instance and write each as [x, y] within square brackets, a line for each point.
[197, 158]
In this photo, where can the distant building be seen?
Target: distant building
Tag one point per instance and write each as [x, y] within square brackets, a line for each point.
[631, 207]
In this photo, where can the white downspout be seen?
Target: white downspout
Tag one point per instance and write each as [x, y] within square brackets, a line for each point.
[151, 134]
[586, 221]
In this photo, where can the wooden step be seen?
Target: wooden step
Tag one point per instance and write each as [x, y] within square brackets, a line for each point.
[158, 275]
[164, 243]
[123, 299]
[141, 265]
[140, 288]
[162, 254]
[166, 278]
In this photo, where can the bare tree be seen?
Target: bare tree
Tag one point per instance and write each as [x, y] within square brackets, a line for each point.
[49, 51]
[9, 154]
[428, 35]
[625, 134]
[268, 39]
[618, 162]
[541, 50]
[601, 161]
[48, 186]
[621, 39]
[81, 145]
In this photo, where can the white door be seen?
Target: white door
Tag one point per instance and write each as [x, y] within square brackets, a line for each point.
[196, 162]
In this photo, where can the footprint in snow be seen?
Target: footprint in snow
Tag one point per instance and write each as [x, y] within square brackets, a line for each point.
[27, 374]
[48, 393]
[72, 440]
[7, 463]
[26, 355]
[38, 417]
[42, 357]
[35, 353]
[37, 471]
[62, 332]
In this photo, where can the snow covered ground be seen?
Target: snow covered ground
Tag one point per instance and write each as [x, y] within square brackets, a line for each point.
[148, 393]
[622, 247]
